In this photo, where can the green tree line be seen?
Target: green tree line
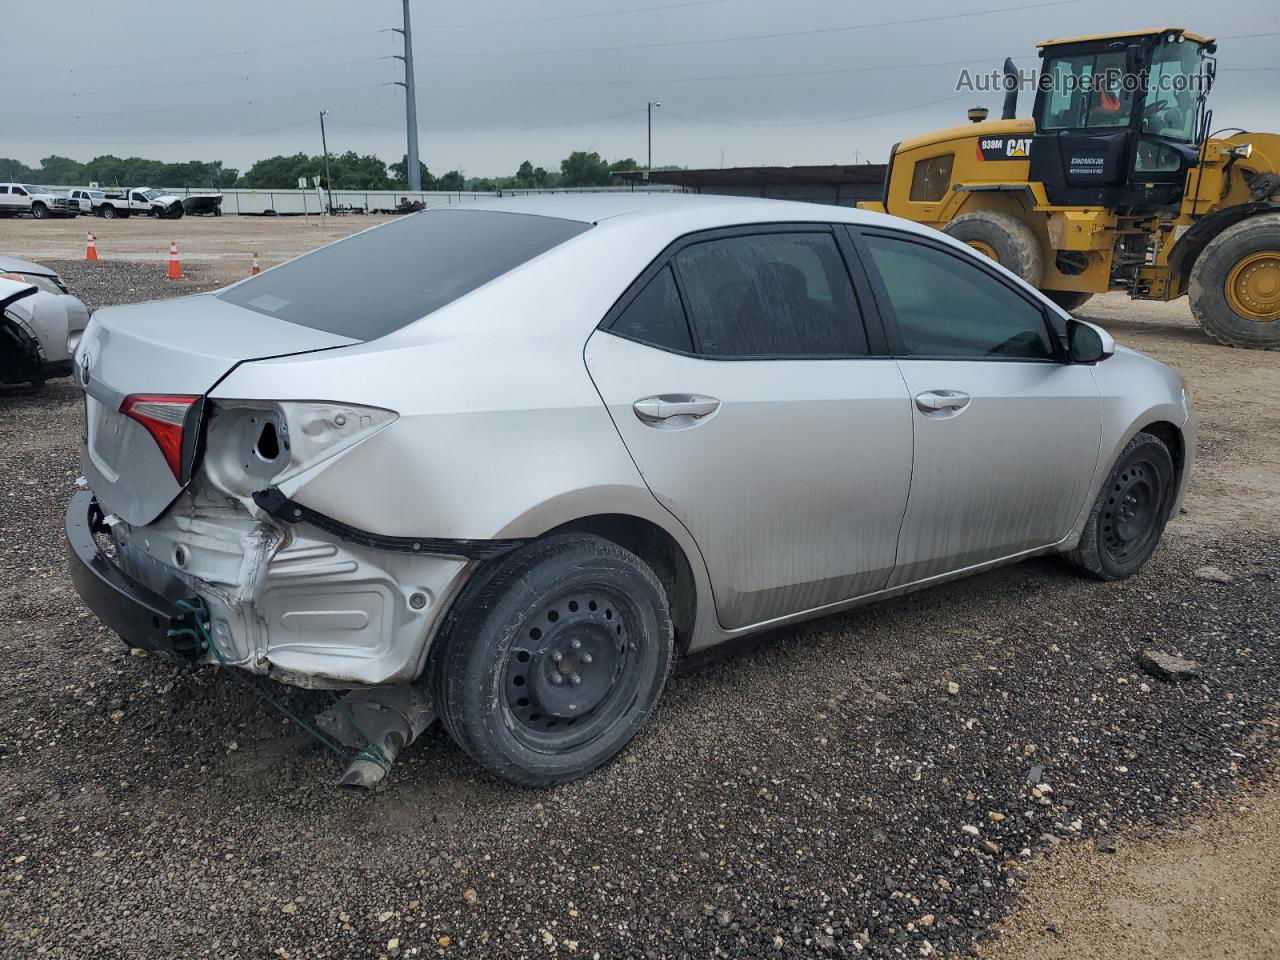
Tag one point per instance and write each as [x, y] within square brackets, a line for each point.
[349, 171]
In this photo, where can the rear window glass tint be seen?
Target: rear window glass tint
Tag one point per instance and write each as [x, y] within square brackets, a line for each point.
[656, 316]
[375, 282]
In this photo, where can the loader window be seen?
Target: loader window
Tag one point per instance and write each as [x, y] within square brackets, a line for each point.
[1086, 91]
[1170, 107]
[931, 179]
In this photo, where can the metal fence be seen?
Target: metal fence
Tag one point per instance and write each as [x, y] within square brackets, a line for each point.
[240, 200]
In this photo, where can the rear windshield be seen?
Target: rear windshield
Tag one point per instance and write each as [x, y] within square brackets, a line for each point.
[368, 285]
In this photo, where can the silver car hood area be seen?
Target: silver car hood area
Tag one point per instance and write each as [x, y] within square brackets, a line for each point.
[174, 347]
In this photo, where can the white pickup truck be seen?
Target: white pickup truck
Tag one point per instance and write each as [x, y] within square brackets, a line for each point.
[40, 202]
[122, 203]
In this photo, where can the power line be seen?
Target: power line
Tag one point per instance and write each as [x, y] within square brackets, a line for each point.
[761, 36]
[821, 123]
[541, 126]
[99, 141]
[578, 16]
[204, 106]
[201, 83]
[728, 76]
[94, 67]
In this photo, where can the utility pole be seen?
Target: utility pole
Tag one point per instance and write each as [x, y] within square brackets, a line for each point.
[413, 171]
[649, 169]
[324, 145]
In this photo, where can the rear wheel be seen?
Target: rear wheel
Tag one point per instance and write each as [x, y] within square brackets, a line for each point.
[1235, 284]
[1129, 516]
[108, 211]
[552, 661]
[1004, 238]
[1068, 300]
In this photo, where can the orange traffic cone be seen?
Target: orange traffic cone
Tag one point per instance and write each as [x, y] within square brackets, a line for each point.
[175, 267]
[255, 269]
[90, 251]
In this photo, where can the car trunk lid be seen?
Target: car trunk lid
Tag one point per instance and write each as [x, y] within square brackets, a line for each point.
[165, 348]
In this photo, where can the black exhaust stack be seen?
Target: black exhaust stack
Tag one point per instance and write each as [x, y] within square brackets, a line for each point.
[1011, 80]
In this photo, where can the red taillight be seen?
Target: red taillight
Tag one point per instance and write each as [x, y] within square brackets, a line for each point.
[164, 417]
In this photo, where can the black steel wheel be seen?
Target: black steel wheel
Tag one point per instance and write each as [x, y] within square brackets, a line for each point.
[570, 669]
[553, 659]
[1128, 518]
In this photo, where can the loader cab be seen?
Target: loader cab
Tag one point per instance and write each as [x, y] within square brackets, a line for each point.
[1119, 119]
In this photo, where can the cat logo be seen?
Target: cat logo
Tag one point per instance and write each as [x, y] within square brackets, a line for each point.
[1004, 148]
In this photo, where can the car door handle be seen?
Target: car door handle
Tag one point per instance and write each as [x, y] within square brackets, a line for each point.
[936, 401]
[666, 406]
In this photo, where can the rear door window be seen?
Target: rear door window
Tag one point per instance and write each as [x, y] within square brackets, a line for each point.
[656, 316]
[771, 295]
[375, 282]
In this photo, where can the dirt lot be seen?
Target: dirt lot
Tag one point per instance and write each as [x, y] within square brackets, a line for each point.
[805, 798]
[223, 246]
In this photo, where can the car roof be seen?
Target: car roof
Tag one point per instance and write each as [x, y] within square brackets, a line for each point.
[641, 205]
[10, 264]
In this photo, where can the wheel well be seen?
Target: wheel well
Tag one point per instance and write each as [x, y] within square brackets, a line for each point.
[1171, 436]
[661, 552]
[1183, 256]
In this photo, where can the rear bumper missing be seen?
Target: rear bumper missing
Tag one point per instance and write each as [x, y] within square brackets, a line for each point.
[303, 606]
[142, 617]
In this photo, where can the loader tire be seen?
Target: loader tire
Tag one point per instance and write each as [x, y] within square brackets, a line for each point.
[1004, 238]
[1235, 284]
[1068, 300]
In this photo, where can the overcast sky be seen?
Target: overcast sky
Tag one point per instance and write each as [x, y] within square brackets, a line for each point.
[501, 81]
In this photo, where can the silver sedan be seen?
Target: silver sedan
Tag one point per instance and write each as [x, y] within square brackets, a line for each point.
[515, 459]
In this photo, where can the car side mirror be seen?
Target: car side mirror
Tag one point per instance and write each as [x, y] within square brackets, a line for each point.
[1087, 343]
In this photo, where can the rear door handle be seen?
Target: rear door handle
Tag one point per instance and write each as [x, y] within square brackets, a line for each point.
[938, 401]
[668, 405]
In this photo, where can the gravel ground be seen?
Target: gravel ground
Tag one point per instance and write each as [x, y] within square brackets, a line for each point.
[823, 794]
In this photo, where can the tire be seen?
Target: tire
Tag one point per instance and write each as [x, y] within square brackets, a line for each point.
[1004, 238]
[156, 212]
[1068, 300]
[1128, 518]
[510, 635]
[1235, 284]
[108, 212]
[39, 211]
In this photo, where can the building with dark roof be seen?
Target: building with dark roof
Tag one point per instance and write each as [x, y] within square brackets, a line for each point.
[844, 186]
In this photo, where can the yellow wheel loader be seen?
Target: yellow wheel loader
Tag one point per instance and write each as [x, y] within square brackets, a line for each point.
[1115, 182]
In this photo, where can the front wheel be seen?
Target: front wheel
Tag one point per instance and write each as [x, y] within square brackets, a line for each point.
[552, 660]
[1003, 238]
[39, 211]
[1129, 516]
[1235, 284]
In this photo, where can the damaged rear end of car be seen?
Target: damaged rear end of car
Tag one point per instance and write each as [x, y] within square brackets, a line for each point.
[185, 512]
[210, 422]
